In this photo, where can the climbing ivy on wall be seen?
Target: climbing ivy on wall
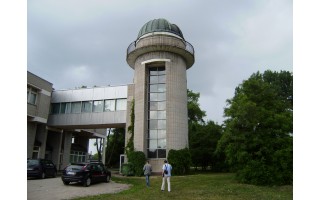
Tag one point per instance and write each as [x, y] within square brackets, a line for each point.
[130, 145]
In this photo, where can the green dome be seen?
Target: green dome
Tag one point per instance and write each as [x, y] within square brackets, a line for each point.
[160, 25]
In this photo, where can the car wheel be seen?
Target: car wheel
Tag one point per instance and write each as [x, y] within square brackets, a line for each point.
[108, 178]
[66, 182]
[87, 182]
[54, 174]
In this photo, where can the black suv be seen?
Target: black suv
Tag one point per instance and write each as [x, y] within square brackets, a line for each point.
[41, 168]
[86, 173]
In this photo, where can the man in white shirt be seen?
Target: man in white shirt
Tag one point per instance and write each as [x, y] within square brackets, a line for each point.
[166, 174]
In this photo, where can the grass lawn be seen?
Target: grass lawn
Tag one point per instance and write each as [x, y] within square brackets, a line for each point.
[200, 186]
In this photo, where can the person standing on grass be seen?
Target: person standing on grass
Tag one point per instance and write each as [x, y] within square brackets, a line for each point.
[147, 169]
[166, 174]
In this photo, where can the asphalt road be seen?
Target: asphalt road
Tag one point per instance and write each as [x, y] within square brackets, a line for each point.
[54, 189]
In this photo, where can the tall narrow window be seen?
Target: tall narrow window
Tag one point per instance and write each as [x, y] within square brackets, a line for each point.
[32, 95]
[156, 137]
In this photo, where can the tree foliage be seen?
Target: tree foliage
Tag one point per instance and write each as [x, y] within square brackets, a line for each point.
[115, 147]
[203, 136]
[195, 114]
[257, 139]
[180, 161]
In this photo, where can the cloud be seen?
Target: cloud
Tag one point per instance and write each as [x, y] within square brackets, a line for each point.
[78, 42]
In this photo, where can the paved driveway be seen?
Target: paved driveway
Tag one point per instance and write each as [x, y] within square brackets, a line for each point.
[54, 189]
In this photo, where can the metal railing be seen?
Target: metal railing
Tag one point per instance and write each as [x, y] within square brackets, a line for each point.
[188, 48]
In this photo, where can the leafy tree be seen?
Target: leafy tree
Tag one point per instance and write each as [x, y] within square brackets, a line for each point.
[203, 136]
[257, 139]
[195, 114]
[115, 146]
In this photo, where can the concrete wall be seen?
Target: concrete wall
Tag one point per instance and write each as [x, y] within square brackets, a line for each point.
[54, 139]
[31, 135]
[42, 137]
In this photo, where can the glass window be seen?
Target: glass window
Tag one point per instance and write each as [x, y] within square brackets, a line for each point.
[162, 105]
[153, 79]
[154, 88]
[121, 104]
[153, 96]
[157, 113]
[98, 106]
[32, 98]
[162, 79]
[153, 124]
[152, 144]
[162, 134]
[153, 106]
[162, 144]
[55, 108]
[63, 108]
[153, 134]
[161, 96]
[75, 107]
[152, 153]
[161, 124]
[161, 114]
[161, 153]
[31, 95]
[68, 107]
[153, 115]
[109, 105]
[161, 87]
[86, 106]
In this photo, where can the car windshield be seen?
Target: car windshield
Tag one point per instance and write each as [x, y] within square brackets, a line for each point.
[32, 162]
[74, 167]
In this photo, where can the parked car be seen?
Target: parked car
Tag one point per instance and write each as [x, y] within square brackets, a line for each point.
[86, 173]
[41, 168]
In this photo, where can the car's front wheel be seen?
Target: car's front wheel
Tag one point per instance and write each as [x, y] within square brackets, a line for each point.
[87, 182]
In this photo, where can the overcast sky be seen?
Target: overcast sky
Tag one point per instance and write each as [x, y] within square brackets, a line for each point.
[79, 42]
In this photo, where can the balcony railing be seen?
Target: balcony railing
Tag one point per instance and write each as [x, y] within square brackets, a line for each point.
[188, 48]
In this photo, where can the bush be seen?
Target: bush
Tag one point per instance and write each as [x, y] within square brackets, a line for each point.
[127, 169]
[180, 161]
[137, 159]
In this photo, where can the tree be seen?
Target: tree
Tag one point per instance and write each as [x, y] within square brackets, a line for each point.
[203, 136]
[257, 139]
[99, 145]
[195, 114]
[115, 147]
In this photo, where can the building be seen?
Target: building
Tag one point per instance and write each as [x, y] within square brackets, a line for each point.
[160, 57]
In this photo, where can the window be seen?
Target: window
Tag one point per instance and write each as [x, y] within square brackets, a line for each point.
[32, 95]
[157, 113]
[109, 105]
[98, 106]
[55, 108]
[75, 107]
[86, 106]
[121, 104]
[77, 156]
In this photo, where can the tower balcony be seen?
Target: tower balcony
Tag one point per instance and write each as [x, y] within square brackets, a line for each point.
[161, 42]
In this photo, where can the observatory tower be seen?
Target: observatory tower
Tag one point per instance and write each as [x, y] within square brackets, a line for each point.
[160, 57]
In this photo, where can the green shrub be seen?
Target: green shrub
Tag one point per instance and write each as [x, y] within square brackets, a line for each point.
[180, 161]
[137, 159]
[127, 169]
